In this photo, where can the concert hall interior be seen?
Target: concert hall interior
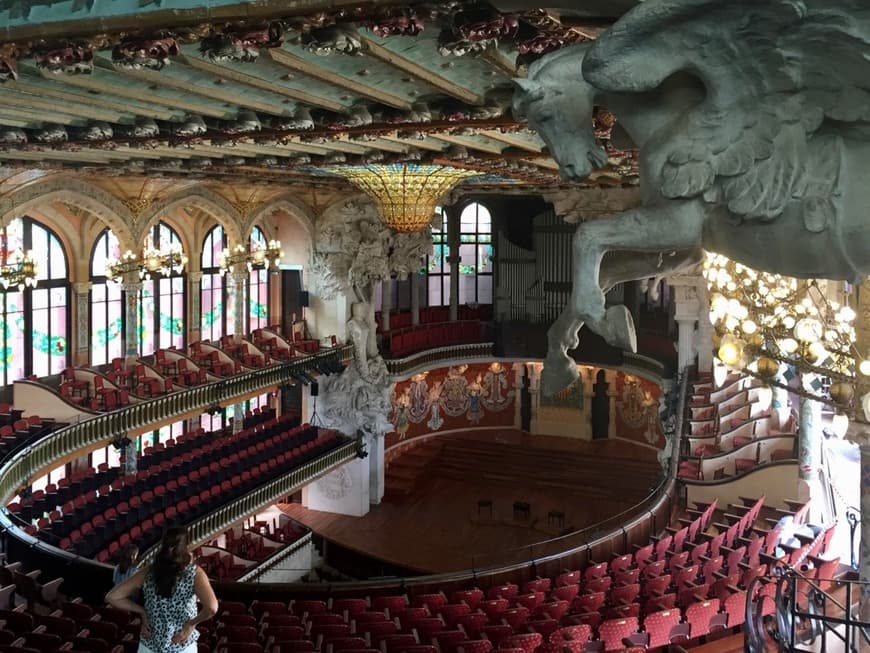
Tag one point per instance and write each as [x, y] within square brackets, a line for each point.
[443, 327]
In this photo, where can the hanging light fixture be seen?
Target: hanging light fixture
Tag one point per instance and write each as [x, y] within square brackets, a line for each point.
[164, 262]
[406, 193]
[259, 257]
[19, 271]
[762, 320]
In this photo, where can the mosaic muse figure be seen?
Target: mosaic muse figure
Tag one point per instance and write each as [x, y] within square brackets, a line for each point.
[752, 118]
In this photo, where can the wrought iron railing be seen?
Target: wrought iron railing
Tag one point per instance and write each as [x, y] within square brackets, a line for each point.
[274, 561]
[791, 612]
[22, 465]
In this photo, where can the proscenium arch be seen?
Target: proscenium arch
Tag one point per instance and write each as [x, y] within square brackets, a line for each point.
[75, 192]
[200, 198]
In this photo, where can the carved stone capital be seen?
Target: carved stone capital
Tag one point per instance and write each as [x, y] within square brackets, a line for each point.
[82, 288]
[194, 277]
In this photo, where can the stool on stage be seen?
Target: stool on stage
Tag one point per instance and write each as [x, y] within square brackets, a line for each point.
[484, 504]
[556, 517]
[522, 510]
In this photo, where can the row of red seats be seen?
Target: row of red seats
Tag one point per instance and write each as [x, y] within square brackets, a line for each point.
[434, 314]
[430, 336]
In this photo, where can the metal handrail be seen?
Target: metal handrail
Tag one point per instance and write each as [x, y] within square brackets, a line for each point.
[21, 465]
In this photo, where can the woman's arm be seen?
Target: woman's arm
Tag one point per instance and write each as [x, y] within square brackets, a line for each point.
[119, 596]
[208, 608]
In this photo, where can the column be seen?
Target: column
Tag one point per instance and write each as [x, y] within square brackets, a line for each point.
[376, 468]
[131, 451]
[240, 289]
[535, 392]
[415, 298]
[519, 373]
[194, 324]
[864, 540]
[276, 306]
[611, 403]
[453, 259]
[238, 417]
[687, 307]
[132, 286]
[83, 344]
[809, 454]
[704, 336]
[386, 303]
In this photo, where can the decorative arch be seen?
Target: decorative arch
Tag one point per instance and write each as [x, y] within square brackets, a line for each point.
[201, 198]
[299, 211]
[74, 192]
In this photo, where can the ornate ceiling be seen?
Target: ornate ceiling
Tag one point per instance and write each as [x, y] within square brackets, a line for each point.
[274, 92]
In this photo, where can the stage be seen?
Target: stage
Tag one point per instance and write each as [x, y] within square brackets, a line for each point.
[441, 522]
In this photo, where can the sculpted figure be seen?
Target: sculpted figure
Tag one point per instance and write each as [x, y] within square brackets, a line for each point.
[363, 337]
[751, 117]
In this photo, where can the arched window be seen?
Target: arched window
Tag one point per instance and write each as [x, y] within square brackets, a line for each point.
[107, 303]
[258, 288]
[162, 300]
[218, 305]
[35, 321]
[475, 255]
[437, 267]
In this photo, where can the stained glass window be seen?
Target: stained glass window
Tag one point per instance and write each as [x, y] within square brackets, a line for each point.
[35, 322]
[258, 288]
[475, 255]
[107, 305]
[162, 300]
[213, 296]
[437, 267]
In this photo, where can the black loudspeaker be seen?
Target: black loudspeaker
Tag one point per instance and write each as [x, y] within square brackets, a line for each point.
[303, 298]
[315, 389]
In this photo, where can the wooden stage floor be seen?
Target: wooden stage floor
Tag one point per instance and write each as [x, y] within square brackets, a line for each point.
[437, 528]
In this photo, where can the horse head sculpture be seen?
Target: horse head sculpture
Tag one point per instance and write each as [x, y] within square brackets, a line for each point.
[751, 118]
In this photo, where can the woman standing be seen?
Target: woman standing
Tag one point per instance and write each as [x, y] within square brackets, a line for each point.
[171, 586]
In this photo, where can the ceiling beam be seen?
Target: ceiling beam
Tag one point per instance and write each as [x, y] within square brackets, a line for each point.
[291, 61]
[421, 144]
[100, 82]
[513, 140]
[468, 142]
[262, 84]
[378, 51]
[28, 101]
[57, 155]
[39, 118]
[230, 97]
[100, 101]
[500, 61]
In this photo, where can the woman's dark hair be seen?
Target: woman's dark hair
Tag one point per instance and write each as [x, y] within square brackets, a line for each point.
[128, 556]
[171, 559]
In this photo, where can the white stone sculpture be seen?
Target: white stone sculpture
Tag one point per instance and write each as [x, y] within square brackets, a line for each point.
[354, 250]
[751, 117]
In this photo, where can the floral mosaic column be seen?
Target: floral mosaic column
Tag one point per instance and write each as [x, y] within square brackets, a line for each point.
[132, 286]
[240, 290]
[83, 344]
[809, 453]
[194, 326]
[415, 298]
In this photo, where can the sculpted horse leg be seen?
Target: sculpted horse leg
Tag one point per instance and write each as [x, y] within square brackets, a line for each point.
[675, 225]
[560, 370]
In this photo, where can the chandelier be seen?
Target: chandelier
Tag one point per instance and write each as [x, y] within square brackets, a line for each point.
[260, 256]
[19, 271]
[764, 320]
[164, 262]
[406, 193]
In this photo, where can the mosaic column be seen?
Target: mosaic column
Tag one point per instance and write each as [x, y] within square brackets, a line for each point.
[453, 242]
[415, 299]
[687, 308]
[240, 290]
[194, 324]
[132, 286]
[83, 344]
[864, 536]
[809, 452]
[131, 451]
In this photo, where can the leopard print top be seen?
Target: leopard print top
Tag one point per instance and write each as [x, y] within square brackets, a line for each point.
[167, 615]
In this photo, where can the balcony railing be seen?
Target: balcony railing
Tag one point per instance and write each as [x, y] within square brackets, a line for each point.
[426, 358]
[22, 465]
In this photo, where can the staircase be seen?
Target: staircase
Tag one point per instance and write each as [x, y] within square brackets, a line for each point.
[403, 473]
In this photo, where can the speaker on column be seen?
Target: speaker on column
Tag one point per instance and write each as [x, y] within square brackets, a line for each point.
[315, 389]
[303, 298]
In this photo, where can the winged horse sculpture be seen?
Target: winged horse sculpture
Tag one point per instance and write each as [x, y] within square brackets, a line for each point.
[751, 118]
